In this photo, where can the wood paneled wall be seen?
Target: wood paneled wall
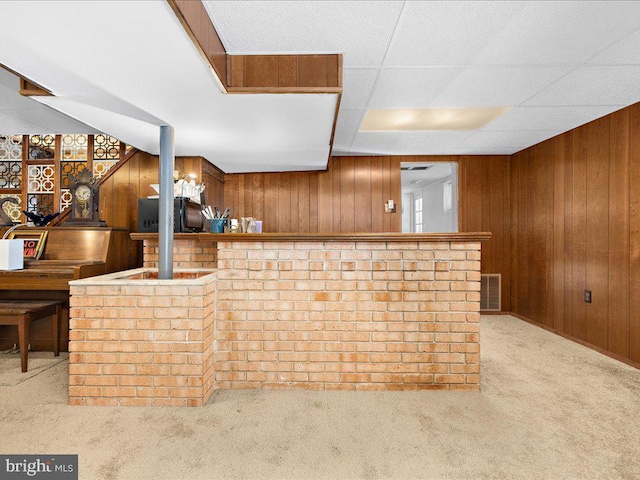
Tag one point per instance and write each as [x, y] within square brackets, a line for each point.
[484, 199]
[576, 227]
[348, 197]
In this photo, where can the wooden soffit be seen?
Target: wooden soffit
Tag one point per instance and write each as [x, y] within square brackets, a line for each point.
[27, 87]
[258, 73]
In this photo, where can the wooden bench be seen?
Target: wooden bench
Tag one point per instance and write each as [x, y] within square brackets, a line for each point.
[22, 313]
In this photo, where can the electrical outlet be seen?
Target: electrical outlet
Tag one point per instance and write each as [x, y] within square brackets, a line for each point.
[587, 296]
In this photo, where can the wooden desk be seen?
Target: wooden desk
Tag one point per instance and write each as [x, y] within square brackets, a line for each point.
[22, 314]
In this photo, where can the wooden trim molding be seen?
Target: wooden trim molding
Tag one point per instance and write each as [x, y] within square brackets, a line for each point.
[196, 22]
[460, 237]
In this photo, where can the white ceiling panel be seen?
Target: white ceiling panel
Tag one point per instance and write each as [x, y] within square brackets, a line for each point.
[29, 117]
[361, 28]
[462, 150]
[357, 85]
[406, 143]
[447, 33]
[619, 85]
[507, 141]
[411, 87]
[625, 52]
[560, 32]
[346, 129]
[497, 86]
[547, 118]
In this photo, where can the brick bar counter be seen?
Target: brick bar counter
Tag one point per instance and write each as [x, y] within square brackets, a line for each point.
[294, 311]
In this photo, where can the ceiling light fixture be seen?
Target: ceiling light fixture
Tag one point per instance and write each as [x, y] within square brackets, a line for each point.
[428, 119]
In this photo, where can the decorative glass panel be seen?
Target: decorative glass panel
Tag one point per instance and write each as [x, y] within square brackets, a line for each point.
[70, 168]
[41, 179]
[65, 199]
[40, 203]
[127, 149]
[42, 147]
[101, 167]
[11, 161]
[14, 211]
[11, 147]
[10, 174]
[74, 147]
[106, 147]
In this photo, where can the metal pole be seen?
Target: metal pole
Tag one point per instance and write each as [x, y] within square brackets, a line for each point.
[165, 221]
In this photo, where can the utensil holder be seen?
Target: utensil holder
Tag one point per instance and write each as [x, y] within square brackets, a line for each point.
[216, 225]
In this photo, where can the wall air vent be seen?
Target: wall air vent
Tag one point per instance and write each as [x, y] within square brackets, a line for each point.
[490, 300]
[417, 167]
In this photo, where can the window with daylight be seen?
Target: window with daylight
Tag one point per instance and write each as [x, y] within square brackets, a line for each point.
[417, 215]
[447, 196]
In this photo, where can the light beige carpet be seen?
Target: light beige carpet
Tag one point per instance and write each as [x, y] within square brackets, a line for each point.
[38, 362]
[549, 409]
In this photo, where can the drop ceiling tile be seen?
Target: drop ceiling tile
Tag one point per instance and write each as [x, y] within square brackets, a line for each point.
[548, 118]
[506, 140]
[346, 129]
[559, 32]
[626, 51]
[497, 86]
[447, 33]
[593, 86]
[461, 150]
[363, 29]
[13, 125]
[357, 85]
[411, 87]
[406, 143]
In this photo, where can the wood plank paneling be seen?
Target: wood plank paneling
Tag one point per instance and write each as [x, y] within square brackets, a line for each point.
[260, 70]
[634, 228]
[484, 193]
[347, 194]
[575, 226]
[347, 197]
[282, 73]
[559, 205]
[618, 328]
[325, 201]
[597, 202]
[579, 224]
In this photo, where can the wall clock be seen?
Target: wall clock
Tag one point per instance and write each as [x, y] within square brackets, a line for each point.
[84, 200]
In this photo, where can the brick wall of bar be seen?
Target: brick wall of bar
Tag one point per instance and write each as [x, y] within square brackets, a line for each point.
[187, 253]
[142, 344]
[348, 315]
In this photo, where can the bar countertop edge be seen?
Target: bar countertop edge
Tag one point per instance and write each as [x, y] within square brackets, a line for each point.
[326, 237]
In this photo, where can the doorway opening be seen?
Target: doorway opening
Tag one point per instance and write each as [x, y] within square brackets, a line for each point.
[429, 196]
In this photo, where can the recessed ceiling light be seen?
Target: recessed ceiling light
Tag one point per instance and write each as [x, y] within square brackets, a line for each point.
[425, 119]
